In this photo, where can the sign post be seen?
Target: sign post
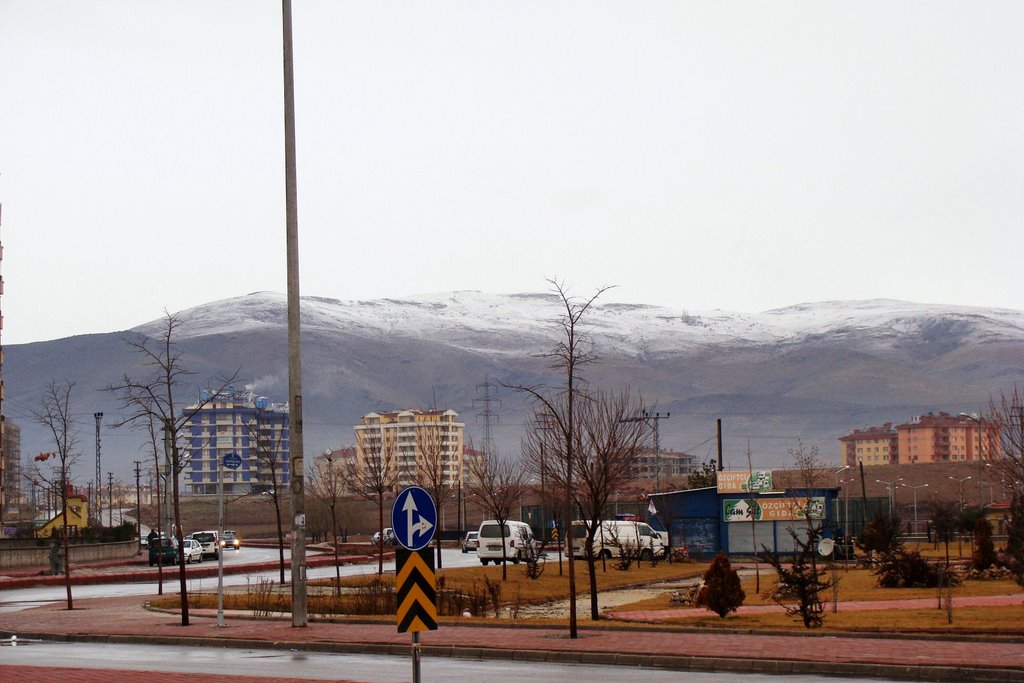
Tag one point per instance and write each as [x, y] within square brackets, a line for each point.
[414, 519]
[232, 461]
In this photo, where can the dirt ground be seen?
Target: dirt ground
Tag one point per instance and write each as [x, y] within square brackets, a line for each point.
[607, 599]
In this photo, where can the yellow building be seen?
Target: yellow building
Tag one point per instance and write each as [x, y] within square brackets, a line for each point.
[871, 446]
[408, 443]
[76, 512]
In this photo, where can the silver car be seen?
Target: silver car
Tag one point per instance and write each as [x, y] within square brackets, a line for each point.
[192, 550]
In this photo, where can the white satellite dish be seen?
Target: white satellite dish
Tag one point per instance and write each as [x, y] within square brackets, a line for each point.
[826, 546]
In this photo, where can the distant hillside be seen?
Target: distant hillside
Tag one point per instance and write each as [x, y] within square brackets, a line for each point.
[812, 371]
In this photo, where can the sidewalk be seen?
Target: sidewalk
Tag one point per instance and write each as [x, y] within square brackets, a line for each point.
[656, 616]
[128, 620]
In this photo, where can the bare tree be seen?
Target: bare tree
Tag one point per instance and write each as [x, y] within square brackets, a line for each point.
[436, 468]
[499, 484]
[54, 414]
[373, 476]
[803, 580]
[268, 456]
[559, 406]
[610, 442]
[153, 443]
[1007, 412]
[327, 484]
[153, 398]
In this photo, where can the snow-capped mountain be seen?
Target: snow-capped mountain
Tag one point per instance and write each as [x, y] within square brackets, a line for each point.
[810, 371]
[529, 323]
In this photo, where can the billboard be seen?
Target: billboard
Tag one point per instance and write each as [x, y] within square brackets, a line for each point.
[745, 481]
[772, 509]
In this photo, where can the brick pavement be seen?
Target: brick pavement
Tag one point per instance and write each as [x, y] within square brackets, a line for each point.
[126, 620]
[656, 616]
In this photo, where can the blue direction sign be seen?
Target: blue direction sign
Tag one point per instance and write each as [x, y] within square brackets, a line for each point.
[232, 461]
[414, 518]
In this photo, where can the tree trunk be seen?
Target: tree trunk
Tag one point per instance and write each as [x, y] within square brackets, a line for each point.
[280, 535]
[67, 544]
[380, 527]
[337, 567]
[178, 533]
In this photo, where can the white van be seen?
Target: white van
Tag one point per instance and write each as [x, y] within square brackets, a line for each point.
[518, 539]
[210, 542]
[615, 536]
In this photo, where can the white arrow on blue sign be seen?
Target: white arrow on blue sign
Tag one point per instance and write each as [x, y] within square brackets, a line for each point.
[414, 518]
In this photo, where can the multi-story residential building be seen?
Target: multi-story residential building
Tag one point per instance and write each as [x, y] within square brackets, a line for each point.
[408, 442]
[242, 423]
[946, 438]
[928, 438]
[665, 466]
[10, 435]
[871, 446]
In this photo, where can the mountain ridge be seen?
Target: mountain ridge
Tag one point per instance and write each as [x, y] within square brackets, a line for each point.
[810, 371]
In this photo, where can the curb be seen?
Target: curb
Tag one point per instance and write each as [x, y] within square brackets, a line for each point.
[909, 672]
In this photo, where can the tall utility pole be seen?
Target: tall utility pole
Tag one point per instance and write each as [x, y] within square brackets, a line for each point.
[648, 418]
[138, 499]
[488, 414]
[110, 498]
[99, 472]
[720, 463]
[657, 417]
[297, 463]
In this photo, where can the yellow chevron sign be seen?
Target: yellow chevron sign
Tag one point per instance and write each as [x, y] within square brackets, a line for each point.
[416, 589]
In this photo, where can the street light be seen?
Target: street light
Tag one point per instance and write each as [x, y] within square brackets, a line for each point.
[891, 485]
[981, 423]
[960, 483]
[919, 486]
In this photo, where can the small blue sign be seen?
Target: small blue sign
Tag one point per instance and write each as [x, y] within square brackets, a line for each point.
[414, 518]
[232, 461]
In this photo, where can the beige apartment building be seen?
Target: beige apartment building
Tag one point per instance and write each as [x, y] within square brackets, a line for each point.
[408, 441]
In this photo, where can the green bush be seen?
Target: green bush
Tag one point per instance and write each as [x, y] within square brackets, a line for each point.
[906, 569]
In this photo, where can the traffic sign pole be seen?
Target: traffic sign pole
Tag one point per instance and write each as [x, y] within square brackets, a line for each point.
[220, 532]
[232, 461]
[414, 520]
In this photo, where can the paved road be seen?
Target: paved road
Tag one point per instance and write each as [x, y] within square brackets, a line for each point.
[23, 598]
[123, 662]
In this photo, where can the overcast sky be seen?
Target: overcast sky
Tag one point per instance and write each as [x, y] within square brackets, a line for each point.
[699, 155]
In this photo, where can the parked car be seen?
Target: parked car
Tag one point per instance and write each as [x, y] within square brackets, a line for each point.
[389, 537]
[471, 541]
[166, 549]
[229, 540]
[143, 542]
[192, 550]
[210, 542]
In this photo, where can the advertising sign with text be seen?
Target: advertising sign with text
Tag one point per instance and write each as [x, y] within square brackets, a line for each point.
[745, 481]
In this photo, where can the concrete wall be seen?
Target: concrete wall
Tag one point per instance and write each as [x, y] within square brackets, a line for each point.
[39, 556]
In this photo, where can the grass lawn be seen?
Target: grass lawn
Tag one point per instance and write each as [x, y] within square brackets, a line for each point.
[854, 585]
[550, 586]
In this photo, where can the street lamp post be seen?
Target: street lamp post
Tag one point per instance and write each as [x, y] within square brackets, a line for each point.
[960, 484]
[838, 481]
[891, 485]
[978, 420]
[915, 488]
